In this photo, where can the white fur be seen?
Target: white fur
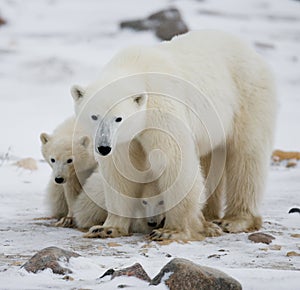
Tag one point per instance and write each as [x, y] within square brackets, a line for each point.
[218, 79]
[89, 208]
[67, 143]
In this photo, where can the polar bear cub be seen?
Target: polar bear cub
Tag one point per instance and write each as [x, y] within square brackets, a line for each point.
[200, 93]
[70, 155]
[89, 208]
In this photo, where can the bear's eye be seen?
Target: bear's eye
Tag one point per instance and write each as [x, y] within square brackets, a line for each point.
[161, 202]
[118, 119]
[52, 160]
[70, 160]
[144, 202]
[94, 117]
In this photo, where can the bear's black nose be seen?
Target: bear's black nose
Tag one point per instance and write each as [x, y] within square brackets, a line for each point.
[59, 180]
[104, 150]
[152, 224]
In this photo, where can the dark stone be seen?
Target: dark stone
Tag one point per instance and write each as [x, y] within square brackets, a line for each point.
[109, 272]
[49, 258]
[294, 209]
[168, 29]
[165, 23]
[2, 21]
[261, 238]
[136, 271]
[182, 274]
[138, 25]
[166, 14]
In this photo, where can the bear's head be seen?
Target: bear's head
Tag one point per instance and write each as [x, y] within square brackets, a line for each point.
[66, 156]
[110, 120]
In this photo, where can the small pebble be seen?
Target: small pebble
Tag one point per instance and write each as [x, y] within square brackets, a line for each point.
[261, 238]
[292, 254]
[275, 247]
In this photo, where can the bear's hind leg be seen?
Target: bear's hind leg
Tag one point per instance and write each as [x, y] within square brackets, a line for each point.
[213, 165]
[213, 207]
[246, 172]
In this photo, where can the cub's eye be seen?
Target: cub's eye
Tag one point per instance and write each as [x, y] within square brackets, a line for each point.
[94, 117]
[70, 160]
[144, 202]
[161, 202]
[119, 119]
[52, 160]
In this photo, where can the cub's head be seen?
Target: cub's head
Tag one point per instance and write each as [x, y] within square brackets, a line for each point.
[110, 120]
[154, 212]
[60, 156]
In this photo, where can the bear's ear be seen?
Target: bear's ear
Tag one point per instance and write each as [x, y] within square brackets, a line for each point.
[141, 100]
[44, 138]
[84, 141]
[77, 92]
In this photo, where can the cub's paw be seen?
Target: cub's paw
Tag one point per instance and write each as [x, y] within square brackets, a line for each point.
[104, 232]
[212, 230]
[239, 224]
[66, 222]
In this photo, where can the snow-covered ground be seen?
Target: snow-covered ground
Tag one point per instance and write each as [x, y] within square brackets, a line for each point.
[48, 45]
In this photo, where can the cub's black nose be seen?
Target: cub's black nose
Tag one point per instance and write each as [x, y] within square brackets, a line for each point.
[59, 180]
[104, 150]
[152, 224]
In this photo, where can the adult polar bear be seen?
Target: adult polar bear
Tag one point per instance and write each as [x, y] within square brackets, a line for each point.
[235, 88]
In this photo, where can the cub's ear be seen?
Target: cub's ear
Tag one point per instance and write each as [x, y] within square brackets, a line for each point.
[44, 138]
[140, 100]
[84, 141]
[77, 92]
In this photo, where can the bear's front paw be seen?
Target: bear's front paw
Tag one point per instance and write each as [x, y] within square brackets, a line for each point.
[212, 230]
[239, 224]
[104, 232]
[66, 222]
[165, 234]
[161, 234]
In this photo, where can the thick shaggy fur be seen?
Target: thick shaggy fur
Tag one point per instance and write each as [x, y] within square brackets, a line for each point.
[89, 208]
[237, 92]
[70, 155]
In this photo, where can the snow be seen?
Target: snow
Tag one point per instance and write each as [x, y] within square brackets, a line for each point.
[47, 46]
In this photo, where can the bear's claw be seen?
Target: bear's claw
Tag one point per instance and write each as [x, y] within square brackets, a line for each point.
[237, 225]
[66, 222]
[212, 230]
[164, 234]
[104, 232]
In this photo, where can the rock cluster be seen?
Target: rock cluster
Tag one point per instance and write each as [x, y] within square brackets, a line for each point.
[178, 274]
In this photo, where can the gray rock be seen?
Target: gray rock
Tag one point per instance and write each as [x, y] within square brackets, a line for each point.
[166, 14]
[138, 25]
[49, 258]
[135, 270]
[261, 238]
[165, 23]
[182, 274]
[168, 29]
